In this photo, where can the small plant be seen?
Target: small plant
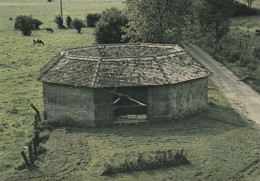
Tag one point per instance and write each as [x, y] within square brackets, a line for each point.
[68, 21]
[92, 19]
[78, 24]
[59, 21]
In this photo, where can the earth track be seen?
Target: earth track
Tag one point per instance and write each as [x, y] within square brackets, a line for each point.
[242, 97]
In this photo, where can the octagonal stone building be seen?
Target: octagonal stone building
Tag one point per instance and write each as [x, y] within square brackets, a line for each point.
[95, 85]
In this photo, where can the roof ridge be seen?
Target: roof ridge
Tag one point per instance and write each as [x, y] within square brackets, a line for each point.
[50, 64]
[159, 66]
[95, 74]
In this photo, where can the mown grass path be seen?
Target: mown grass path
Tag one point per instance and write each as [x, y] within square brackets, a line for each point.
[242, 97]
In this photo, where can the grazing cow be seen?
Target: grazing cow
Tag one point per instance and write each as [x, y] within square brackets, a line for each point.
[49, 30]
[38, 41]
[10, 19]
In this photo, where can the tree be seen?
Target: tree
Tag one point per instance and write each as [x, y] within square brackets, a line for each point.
[59, 21]
[68, 21]
[249, 2]
[109, 27]
[213, 16]
[78, 24]
[158, 21]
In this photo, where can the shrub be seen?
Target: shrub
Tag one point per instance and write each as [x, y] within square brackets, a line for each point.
[253, 65]
[234, 56]
[145, 161]
[78, 24]
[109, 27]
[245, 59]
[68, 21]
[243, 10]
[59, 21]
[24, 23]
[92, 19]
[36, 24]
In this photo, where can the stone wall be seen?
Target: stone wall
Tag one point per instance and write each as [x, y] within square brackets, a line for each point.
[78, 106]
[104, 107]
[175, 101]
[67, 105]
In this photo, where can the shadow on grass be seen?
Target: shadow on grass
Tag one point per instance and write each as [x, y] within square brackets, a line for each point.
[215, 120]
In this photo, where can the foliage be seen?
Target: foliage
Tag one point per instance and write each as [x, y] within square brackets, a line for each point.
[78, 24]
[36, 24]
[92, 19]
[25, 24]
[59, 21]
[68, 21]
[243, 10]
[156, 21]
[145, 161]
[237, 56]
[256, 52]
[213, 16]
[109, 27]
[207, 138]
[249, 2]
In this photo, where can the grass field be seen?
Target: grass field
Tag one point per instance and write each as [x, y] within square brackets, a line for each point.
[219, 144]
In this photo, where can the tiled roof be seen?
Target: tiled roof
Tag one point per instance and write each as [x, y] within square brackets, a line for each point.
[122, 65]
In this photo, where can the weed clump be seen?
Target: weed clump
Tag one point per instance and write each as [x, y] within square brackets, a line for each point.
[145, 161]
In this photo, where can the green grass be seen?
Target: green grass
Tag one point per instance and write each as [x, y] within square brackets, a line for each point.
[220, 145]
[20, 63]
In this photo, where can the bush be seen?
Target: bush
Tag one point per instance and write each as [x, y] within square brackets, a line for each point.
[25, 24]
[68, 21]
[92, 19]
[145, 161]
[243, 10]
[234, 56]
[109, 27]
[36, 24]
[78, 24]
[59, 21]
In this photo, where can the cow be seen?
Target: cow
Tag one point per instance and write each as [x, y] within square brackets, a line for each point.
[10, 19]
[38, 41]
[49, 30]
